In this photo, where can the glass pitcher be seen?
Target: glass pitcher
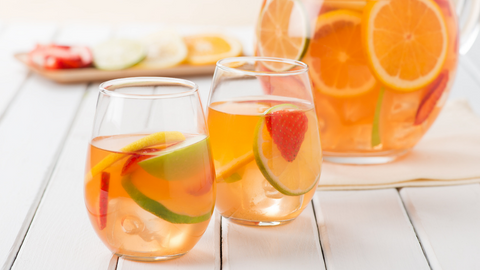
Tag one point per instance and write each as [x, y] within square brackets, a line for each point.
[381, 69]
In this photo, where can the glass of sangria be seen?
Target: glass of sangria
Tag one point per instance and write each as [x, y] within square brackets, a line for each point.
[149, 184]
[381, 69]
[265, 140]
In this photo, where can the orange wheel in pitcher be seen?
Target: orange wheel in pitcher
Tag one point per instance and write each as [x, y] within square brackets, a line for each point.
[406, 42]
[338, 64]
[282, 32]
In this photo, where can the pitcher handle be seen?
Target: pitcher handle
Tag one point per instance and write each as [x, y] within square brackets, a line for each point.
[468, 13]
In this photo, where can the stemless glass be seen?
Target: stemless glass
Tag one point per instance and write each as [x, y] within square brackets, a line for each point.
[149, 184]
[265, 140]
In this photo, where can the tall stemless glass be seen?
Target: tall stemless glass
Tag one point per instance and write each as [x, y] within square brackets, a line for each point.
[381, 69]
[265, 140]
[149, 184]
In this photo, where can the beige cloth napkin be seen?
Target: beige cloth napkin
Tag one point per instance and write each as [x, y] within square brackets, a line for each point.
[448, 154]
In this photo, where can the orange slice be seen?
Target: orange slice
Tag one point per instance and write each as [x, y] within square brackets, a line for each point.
[406, 42]
[209, 48]
[282, 32]
[338, 64]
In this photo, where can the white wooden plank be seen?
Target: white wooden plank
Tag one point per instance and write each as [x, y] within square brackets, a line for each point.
[14, 38]
[60, 236]
[366, 230]
[32, 132]
[447, 222]
[204, 255]
[291, 246]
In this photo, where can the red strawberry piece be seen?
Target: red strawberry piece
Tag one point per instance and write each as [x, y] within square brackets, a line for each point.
[60, 57]
[104, 185]
[429, 101]
[131, 164]
[287, 129]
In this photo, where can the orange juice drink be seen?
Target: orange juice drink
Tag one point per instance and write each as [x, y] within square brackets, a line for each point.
[267, 155]
[141, 199]
[381, 69]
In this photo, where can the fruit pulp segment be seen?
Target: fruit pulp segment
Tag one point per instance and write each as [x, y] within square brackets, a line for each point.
[132, 225]
[347, 76]
[250, 196]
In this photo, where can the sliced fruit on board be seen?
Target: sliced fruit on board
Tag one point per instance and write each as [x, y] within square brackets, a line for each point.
[406, 42]
[179, 161]
[338, 65]
[158, 138]
[54, 56]
[159, 209]
[207, 49]
[428, 103]
[282, 32]
[284, 150]
[116, 54]
[164, 49]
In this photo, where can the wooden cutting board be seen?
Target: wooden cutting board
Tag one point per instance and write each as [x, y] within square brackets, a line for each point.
[93, 74]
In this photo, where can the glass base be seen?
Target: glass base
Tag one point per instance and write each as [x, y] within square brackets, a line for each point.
[258, 223]
[150, 259]
[364, 158]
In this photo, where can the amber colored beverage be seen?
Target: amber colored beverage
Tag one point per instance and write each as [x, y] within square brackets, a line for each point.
[155, 202]
[244, 195]
[381, 69]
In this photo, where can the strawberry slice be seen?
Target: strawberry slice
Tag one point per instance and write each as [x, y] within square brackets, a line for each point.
[287, 129]
[54, 56]
[103, 203]
[429, 101]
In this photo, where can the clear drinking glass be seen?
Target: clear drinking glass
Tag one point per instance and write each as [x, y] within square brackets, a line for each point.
[265, 140]
[149, 184]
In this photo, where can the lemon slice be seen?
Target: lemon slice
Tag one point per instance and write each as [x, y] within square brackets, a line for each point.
[285, 150]
[209, 48]
[282, 32]
[162, 137]
[116, 54]
[164, 49]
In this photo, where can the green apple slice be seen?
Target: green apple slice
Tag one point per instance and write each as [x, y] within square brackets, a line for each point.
[177, 162]
[159, 209]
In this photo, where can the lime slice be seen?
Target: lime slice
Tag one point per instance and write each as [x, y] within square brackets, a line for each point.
[164, 49]
[290, 173]
[116, 54]
[282, 31]
[159, 209]
[179, 161]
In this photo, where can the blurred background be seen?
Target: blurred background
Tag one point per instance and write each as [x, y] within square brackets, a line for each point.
[200, 12]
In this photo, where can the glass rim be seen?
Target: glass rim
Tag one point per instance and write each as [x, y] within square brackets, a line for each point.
[303, 67]
[109, 87]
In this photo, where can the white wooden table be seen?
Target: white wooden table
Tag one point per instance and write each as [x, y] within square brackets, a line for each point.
[44, 131]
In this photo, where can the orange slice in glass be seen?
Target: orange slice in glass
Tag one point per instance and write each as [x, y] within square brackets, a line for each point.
[207, 49]
[282, 32]
[337, 61]
[406, 42]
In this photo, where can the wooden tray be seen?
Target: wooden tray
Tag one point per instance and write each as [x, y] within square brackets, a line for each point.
[93, 74]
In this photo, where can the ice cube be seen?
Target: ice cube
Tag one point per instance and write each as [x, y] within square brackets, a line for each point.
[130, 227]
[259, 200]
